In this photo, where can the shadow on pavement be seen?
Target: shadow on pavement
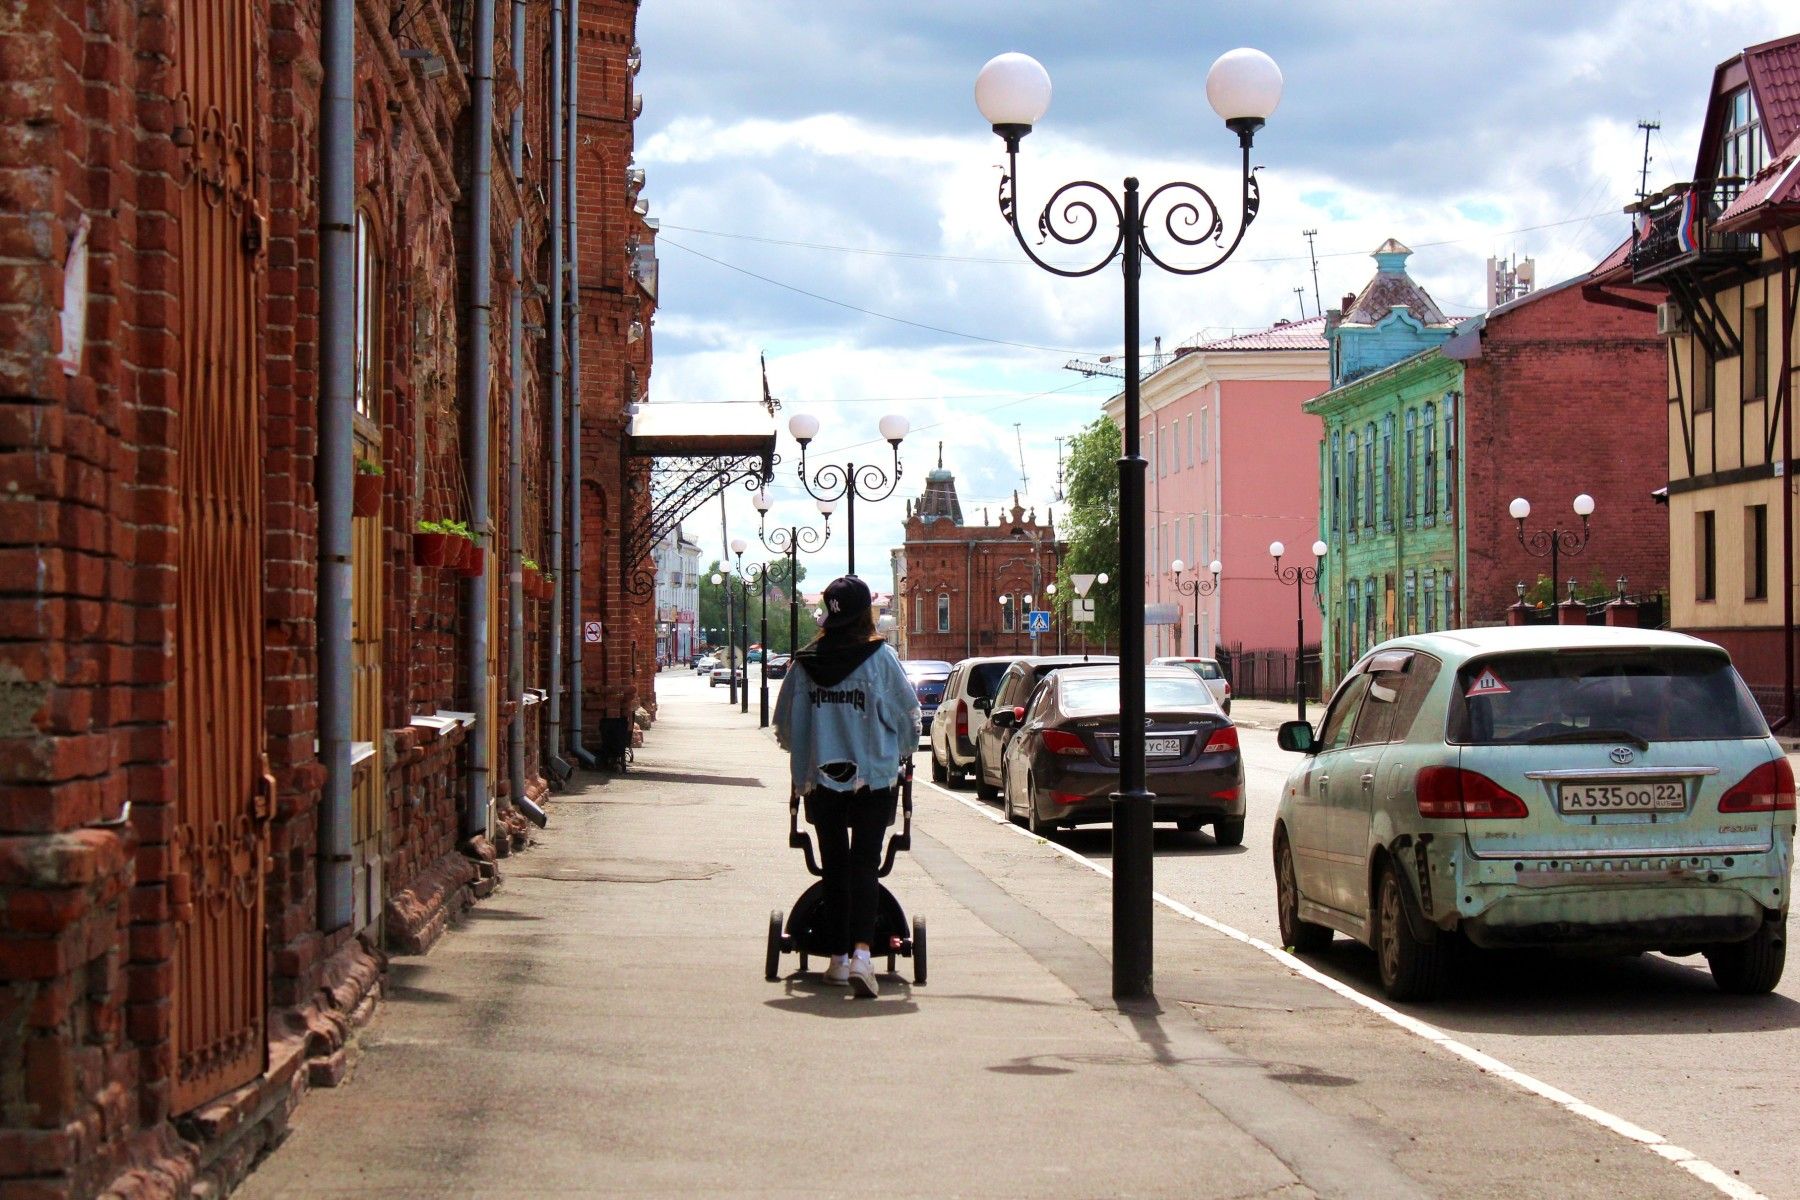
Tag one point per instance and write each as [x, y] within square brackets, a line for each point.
[1095, 842]
[807, 996]
[655, 776]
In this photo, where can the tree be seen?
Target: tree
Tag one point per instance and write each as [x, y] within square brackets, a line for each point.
[1092, 523]
[712, 605]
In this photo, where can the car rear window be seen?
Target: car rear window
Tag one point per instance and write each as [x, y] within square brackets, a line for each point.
[1655, 693]
[983, 677]
[1158, 693]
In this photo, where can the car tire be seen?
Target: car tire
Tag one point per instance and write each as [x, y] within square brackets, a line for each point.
[1229, 831]
[1752, 967]
[1033, 822]
[939, 773]
[983, 789]
[1302, 937]
[1410, 969]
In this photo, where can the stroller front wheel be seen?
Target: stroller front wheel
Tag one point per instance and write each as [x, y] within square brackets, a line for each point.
[772, 962]
[918, 951]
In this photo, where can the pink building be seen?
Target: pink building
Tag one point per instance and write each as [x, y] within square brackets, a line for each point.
[1234, 465]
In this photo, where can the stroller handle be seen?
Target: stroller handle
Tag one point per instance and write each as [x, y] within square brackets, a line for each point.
[800, 840]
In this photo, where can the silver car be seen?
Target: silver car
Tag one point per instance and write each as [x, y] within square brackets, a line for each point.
[1207, 669]
[1612, 790]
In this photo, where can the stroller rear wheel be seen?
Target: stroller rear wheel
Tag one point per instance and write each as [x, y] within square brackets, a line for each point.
[918, 951]
[772, 961]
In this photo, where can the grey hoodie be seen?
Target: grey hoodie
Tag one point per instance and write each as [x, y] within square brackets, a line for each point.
[847, 704]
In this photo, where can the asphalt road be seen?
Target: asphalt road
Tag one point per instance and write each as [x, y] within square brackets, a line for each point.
[1648, 1039]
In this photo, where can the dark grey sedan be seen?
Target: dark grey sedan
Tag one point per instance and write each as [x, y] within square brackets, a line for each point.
[1061, 766]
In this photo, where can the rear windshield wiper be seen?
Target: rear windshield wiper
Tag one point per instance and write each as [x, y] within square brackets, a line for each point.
[1593, 735]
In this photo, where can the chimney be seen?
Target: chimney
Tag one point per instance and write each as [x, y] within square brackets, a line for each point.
[1349, 301]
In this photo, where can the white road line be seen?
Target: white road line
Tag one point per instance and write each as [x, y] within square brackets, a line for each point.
[1724, 1181]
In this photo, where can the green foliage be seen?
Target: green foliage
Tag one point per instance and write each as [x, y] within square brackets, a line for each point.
[1091, 522]
[426, 526]
[1542, 594]
[367, 466]
[529, 563]
[712, 605]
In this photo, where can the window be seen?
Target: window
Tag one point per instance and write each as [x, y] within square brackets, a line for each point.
[1412, 603]
[1354, 461]
[943, 612]
[1175, 442]
[1009, 621]
[1756, 552]
[1387, 473]
[367, 317]
[1756, 353]
[1162, 450]
[1409, 467]
[1740, 136]
[1706, 374]
[1336, 480]
[1334, 734]
[1430, 463]
[1374, 483]
[1369, 611]
[1353, 602]
[1205, 435]
[1190, 441]
[1705, 564]
[1449, 599]
[918, 614]
[1431, 613]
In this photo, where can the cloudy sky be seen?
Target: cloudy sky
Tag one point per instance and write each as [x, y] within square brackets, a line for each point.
[827, 188]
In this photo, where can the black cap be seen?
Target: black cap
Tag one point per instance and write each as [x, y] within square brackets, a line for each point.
[847, 598]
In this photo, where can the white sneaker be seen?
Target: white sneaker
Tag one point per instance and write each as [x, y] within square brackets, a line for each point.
[838, 973]
[862, 977]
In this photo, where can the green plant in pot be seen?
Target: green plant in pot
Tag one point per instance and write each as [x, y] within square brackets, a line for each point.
[365, 494]
[432, 544]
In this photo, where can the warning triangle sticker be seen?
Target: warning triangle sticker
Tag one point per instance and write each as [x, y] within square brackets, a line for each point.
[1487, 684]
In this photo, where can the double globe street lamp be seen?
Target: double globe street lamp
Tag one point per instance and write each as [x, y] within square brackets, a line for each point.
[1299, 577]
[849, 482]
[1013, 93]
[1555, 541]
[1196, 587]
[789, 540]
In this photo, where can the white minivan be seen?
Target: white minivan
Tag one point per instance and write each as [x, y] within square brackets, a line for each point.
[1207, 669]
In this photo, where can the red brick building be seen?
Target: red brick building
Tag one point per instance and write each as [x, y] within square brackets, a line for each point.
[207, 846]
[1563, 396]
[960, 589]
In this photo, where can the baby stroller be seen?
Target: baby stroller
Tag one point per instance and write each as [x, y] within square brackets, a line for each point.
[801, 932]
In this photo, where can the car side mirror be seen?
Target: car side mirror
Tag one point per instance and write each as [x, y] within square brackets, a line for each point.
[983, 703]
[1003, 718]
[1297, 736]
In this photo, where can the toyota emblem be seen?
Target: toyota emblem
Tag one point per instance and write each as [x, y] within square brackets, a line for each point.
[1621, 754]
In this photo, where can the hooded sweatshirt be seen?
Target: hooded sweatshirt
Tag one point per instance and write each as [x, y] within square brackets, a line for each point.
[846, 703]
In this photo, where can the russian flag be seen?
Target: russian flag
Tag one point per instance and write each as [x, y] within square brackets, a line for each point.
[1687, 234]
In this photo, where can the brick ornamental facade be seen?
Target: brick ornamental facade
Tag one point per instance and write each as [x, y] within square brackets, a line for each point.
[170, 980]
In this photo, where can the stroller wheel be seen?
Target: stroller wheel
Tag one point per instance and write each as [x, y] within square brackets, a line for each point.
[772, 962]
[918, 951]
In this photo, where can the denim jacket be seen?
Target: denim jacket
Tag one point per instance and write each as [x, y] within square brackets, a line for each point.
[868, 718]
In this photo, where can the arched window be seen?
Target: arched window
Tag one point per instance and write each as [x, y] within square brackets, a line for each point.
[1008, 620]
[943, 612]
[1431, 481]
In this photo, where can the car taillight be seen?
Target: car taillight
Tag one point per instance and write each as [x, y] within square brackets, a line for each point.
[1222, 739]
[1228, 689]
[1769, 788]
[962, 720]
[1061, 741]
[1066, 798]
[1453, 792]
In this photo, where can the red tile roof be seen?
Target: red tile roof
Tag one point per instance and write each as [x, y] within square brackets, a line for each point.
[1776, 187]
[1774, 69]
[1308, 334]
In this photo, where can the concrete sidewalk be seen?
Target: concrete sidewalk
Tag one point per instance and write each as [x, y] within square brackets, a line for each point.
[601, 1026]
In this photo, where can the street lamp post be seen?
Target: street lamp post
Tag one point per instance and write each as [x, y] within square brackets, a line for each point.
[1196, 587]
[788, 540]
[738, 546]
[849, 482]
[1554, 541]
[1013, 92]
[1299, 577]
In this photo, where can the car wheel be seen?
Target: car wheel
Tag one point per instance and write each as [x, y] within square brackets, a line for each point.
[983, 789]
[1752, 967]
[1229, 831]
[1303, 937]
[1410, 969]
[1033, 821]
[939, 773]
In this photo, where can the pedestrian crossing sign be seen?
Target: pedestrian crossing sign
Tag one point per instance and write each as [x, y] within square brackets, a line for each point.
[1037, 621]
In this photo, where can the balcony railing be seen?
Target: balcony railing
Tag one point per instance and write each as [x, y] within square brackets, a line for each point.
[1674, 232]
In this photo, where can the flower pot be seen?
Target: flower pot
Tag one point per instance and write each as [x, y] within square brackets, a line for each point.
[454, 549]
[429, 549]
[472, 559]
[365, 499]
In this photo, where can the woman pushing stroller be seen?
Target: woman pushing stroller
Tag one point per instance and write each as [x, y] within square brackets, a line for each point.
[849, 719]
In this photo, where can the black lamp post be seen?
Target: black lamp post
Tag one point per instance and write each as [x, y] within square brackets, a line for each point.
[1196, 587]
[849, 482]
[788, 540]
[761, 571]
[1300, 577]
[1013, 92]
[1554, 541]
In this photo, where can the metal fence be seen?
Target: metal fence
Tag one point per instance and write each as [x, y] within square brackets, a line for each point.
[1652, 612]
[1268, 674]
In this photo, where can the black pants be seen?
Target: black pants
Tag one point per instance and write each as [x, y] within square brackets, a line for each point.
[851, 828]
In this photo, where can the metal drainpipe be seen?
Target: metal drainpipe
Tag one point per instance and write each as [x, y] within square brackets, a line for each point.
[515, 457]
[554, 764]
[576, 639]
[477, 784]
[337, 376]
[1784, 396]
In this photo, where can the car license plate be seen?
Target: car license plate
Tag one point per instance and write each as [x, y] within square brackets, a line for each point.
[1649, 795]
[1153, 747]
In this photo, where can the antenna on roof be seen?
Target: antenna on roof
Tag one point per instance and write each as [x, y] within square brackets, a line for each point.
[1300, 295]
[1644, 174]
[1024, 481]
[1059, 496]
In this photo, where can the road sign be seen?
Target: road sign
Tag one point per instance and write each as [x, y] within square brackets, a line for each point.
[1162, 614]
[1082, 583]
[1083, 612]
[1037, 621]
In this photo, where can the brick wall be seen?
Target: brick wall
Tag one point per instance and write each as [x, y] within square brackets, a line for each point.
[974, 565]
[1567, 396]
